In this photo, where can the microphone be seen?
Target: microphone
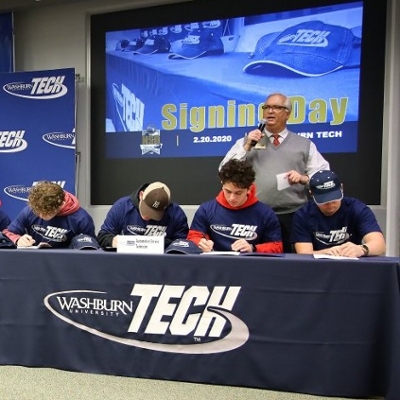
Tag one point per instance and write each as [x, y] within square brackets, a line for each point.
[260, 127]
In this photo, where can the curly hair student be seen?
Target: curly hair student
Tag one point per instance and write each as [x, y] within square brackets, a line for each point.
[53, 216]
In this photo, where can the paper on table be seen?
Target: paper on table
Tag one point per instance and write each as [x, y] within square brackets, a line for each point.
[334, 257]
[282, 181]
[221, 253]
[41, 245]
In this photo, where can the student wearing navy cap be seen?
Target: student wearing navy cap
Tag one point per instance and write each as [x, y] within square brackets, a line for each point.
[335, 225]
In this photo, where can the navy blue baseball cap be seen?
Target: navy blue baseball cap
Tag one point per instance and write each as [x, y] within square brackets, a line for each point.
[154, 44]
[134, 45]
[84, 242]
[311, 49]
[6, 242]
[183, 246]
[197, 43]
[325, 186]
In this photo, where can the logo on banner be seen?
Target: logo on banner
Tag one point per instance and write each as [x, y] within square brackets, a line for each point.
[60, 139]
[167, 318]
[151, 140]
[12, 141]
[21, 192]
[41, 88]
[130, 108]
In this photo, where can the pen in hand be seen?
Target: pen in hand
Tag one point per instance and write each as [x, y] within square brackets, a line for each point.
[205, 244]
[26, 240]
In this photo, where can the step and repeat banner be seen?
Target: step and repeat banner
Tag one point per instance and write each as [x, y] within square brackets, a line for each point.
[37, 133]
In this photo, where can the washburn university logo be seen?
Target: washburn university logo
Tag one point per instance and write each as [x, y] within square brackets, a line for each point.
[236, 231]
[129, 108]
[21, 192]
[40, 88]
[60, 139]
[166, 318]
[12, 141]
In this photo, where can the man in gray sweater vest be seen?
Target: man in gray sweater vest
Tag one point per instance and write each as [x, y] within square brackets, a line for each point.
[283, 162]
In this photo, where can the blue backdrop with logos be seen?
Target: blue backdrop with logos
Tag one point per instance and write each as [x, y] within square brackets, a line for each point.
[37, 133]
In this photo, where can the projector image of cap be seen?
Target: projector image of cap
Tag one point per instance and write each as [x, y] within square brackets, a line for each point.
[183, 246]
[154, 44]
[134, 45]
[196, 44]
[311, 49]
[122, 44]
[325, 186]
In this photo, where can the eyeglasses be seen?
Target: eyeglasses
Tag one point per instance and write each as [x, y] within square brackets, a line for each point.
[273, 108]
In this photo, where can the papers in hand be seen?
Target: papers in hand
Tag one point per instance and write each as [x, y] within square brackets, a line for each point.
[282, 181]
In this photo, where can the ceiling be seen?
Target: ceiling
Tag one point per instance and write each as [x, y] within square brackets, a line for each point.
[15, 5]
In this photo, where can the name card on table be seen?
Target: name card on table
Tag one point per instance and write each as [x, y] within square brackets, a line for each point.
[140, 244]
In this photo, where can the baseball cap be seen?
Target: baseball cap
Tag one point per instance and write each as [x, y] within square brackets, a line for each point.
[197, 43]
[183, 246]
[84, 242]
[325, 186]
[134, 45]
[156, 198]
[311, 48]
[154, 44]
[122, 44]
[6, 242]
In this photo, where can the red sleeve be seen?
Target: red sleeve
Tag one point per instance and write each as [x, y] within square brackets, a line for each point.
[13, 236]
[196, 236]
[270, 247]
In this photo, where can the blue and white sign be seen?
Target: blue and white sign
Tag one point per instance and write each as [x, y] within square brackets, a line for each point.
[37, 133]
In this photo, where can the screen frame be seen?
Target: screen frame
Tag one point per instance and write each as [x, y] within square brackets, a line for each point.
[111, 179]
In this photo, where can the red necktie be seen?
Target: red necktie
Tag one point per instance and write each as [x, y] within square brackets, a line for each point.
[276, 140]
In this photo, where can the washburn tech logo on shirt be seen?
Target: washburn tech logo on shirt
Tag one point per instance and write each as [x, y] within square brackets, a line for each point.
[236, 231]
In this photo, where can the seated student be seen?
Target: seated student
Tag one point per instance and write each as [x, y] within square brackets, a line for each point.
[4, 220]
[236, 220]
[148, 211]
[53, 216]
[335, 225]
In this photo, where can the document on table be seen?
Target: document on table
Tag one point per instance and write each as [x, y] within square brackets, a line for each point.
[41, 245]
[220, 253]
[334, 257]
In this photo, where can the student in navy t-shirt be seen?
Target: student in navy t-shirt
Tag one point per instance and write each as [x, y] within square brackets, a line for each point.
[335, 225]
[148, 211]
[236, 220]
[53, 217]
